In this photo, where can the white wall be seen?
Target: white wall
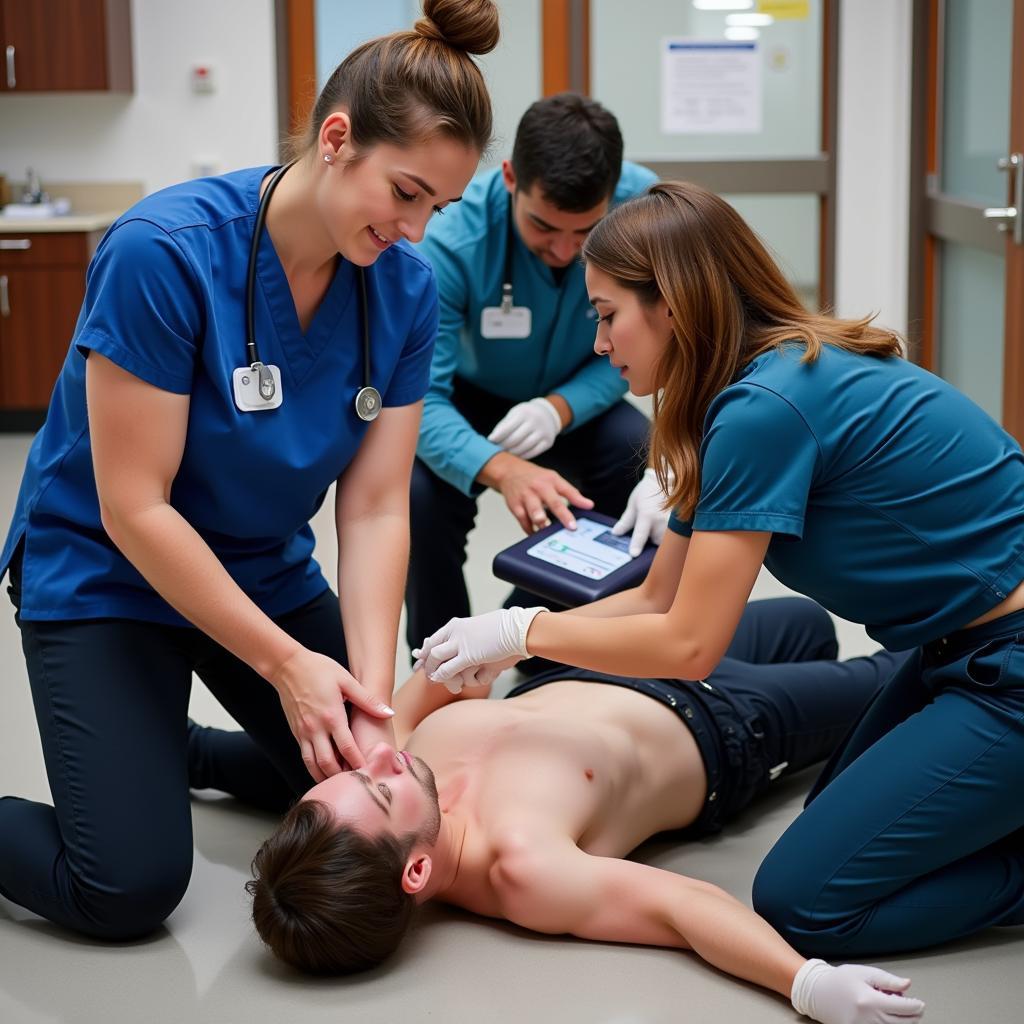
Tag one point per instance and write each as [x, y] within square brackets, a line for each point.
[163, 131]
[873, 171]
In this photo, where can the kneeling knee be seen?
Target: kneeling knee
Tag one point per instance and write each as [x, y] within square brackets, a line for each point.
[132, 908]
[787, 896]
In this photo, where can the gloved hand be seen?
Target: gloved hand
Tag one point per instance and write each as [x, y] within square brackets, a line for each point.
[481, 675]
[645, 514]
[852, 994]
[527, 429]
[463, 644]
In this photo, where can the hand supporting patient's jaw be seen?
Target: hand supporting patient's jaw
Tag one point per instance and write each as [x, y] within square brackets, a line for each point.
[368, 731]
[460, 648]
[313, 689]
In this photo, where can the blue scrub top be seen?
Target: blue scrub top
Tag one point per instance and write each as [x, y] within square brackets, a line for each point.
[466, 247]
[893, 500]
[165, 300]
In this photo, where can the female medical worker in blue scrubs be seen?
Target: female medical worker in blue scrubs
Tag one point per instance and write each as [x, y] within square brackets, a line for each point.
[163, 521]
[806, 443]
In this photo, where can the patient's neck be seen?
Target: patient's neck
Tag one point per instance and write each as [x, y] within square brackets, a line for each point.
[447, 857]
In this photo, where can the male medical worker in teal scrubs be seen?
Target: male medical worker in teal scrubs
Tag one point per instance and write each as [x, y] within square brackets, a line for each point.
[518, 401]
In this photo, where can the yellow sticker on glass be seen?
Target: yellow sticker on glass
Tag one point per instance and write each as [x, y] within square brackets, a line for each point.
[786, 10]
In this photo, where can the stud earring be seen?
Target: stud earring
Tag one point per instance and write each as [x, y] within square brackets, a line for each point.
[327, 158]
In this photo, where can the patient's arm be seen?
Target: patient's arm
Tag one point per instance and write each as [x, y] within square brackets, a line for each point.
[417, 697]
[548, 884]
[657, 591]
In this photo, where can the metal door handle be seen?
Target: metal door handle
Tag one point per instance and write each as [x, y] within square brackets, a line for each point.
[5, 299]
[1010, 217]
[12, 79]
[1001, 213]
[11, 244]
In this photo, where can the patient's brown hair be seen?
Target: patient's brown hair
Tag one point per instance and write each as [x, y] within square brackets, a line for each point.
[328, 899]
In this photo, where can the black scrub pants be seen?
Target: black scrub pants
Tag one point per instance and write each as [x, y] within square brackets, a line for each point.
[112, 857]
[604, 457]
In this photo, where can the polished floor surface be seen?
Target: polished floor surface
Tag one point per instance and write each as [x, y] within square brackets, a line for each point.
[206, 965]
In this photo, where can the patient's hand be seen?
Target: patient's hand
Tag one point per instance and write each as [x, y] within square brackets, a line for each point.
[368, 731]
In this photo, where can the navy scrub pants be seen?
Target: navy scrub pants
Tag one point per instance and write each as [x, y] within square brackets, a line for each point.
[914, 835]
[604, 458]
[112, 857]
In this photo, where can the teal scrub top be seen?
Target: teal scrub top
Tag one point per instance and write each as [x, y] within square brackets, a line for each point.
[893, 500]
[165, 300]
[466, 247]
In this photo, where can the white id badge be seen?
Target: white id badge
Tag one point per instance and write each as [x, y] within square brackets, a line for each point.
[246, 383]
[516, 323]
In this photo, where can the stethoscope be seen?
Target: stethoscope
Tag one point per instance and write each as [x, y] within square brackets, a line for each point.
[368, 401]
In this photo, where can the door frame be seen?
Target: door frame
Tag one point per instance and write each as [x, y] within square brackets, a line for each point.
[935, 217]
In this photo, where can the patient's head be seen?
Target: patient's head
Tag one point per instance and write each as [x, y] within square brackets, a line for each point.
[336, 885]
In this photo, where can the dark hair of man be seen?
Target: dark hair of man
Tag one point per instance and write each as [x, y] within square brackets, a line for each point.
[572, 147]
[327, 898]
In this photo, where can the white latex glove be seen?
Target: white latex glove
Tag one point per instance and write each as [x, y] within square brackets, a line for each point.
[645, 514]
[463, 644]
[481, 675]
[852, 994]
[527, 429]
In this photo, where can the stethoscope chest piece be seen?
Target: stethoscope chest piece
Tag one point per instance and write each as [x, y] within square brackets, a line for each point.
[368, 404]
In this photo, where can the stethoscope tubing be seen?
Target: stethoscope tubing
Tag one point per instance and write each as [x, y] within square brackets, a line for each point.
[368, 400]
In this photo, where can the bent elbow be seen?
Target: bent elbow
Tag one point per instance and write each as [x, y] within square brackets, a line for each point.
[691, 659]
[110, 522]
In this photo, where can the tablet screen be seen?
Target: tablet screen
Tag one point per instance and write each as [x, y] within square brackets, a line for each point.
[591, 550]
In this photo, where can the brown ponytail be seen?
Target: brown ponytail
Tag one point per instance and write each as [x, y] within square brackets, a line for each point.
[411, 85]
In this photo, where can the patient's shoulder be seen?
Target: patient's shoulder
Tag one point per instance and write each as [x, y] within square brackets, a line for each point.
[522, 854]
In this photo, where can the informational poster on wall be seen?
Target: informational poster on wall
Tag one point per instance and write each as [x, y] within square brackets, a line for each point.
[710, 86]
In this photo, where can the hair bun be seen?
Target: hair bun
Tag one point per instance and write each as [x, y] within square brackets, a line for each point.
[469, 25]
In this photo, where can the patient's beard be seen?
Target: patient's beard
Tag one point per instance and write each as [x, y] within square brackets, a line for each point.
[425, 777]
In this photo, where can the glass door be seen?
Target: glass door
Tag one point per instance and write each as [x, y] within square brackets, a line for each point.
[739, 96]
[968, 291]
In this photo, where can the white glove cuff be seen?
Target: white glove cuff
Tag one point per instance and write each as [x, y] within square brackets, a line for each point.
[523, 619]
[803, 985]
[549, 408]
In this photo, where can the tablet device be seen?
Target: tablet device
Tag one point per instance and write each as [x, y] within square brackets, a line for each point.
[574, 567]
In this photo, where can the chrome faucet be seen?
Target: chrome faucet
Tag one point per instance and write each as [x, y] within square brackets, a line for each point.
[33, 193]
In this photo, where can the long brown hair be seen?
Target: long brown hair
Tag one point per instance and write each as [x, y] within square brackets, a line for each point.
[409, 86]
[729, 303]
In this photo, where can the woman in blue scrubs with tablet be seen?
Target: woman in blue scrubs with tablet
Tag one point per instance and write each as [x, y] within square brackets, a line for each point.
[229, 364]
[808, 444]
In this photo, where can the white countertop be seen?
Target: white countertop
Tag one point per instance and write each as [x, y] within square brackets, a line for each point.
[67, 222]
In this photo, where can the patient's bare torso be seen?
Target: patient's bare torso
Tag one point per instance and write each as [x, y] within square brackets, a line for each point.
[602, 764]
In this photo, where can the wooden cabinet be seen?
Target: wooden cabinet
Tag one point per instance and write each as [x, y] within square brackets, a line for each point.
[66, 45]
[42, 285]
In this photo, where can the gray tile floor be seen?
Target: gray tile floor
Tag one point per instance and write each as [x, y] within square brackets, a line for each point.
[206, 964]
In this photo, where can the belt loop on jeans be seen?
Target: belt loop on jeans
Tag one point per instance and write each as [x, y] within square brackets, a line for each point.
[753, 726]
